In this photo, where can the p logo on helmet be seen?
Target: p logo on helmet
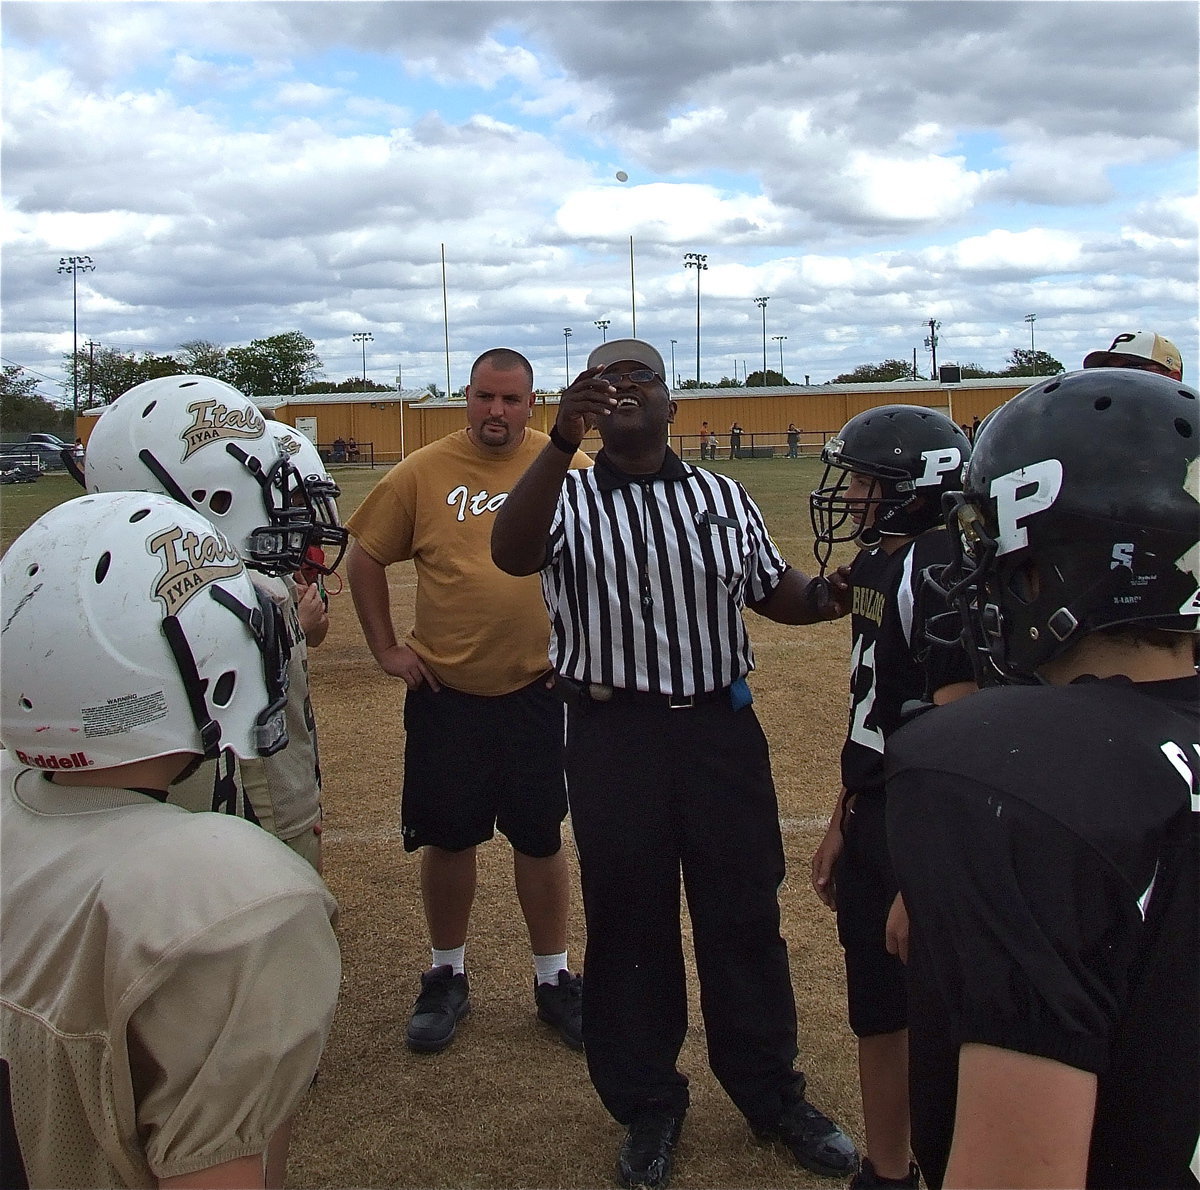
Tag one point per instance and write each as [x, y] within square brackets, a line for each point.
[938, 463]
[1021, 494]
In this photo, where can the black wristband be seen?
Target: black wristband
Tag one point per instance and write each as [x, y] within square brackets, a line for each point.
[568, 448]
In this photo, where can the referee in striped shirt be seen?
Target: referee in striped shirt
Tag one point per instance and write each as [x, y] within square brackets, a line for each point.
[646, 566]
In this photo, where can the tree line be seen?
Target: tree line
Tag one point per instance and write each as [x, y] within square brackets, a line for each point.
[288, 363]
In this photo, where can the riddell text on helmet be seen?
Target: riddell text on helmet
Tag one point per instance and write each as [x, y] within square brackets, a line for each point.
[77, 760]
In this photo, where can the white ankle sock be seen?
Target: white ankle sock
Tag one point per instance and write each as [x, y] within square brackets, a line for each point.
[548, 966]
[455, 957]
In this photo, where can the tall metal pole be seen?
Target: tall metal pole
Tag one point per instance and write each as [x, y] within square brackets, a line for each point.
[696, 260]
[75, 265]
[761, 303]
[780, 339]
[91, 371]
[1031, 319]
[603, 324]
[674, 374]
[567, 332]
[446, 320]
[931, 341]
[632, 290]
[363, 337]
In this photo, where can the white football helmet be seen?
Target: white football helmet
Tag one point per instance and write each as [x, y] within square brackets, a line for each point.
[131, 630]
[203, 443]
[322, 493]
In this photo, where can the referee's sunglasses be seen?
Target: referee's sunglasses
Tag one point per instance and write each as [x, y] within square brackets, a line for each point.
[637, 375]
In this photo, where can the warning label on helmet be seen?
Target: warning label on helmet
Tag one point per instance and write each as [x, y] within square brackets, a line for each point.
[124, 713]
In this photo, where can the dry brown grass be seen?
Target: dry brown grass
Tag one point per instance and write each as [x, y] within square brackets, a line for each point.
[508, 1105]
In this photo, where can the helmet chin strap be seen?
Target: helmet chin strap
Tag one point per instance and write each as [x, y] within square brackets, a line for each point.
[164, 477]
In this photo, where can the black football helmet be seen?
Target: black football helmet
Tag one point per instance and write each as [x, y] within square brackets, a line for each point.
[912, 455]
[1080, 510]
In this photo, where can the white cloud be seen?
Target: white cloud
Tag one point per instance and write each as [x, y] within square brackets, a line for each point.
[241, 169]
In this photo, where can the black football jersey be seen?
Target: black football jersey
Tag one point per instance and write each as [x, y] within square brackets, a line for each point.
[1046, 842]
[885, 672]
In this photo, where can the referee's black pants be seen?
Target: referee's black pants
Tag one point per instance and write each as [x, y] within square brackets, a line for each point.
[655, 792]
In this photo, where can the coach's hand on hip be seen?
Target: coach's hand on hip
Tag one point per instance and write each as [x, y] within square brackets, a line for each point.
[402, 661]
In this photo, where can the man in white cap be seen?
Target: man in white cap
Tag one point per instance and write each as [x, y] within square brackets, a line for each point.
[1139, 349]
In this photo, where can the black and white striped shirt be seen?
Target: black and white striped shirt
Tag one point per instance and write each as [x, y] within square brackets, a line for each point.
[645, 578]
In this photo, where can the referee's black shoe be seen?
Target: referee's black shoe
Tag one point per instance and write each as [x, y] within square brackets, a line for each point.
[443, 1002]
[561, 1004]
[812, 1138]
[647, 1152]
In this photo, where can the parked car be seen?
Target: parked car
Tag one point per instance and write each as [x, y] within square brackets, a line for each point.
[48, 454]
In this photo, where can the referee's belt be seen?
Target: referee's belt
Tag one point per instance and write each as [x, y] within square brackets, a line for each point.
[594, 693]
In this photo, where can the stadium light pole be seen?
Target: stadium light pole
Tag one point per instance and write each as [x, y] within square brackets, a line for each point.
[603, 324]
[779, 339]
[75, 265]
[1031, 319]
[761, 303]
[697, 261]
[363, 337]
[674, 374]
[567, 332]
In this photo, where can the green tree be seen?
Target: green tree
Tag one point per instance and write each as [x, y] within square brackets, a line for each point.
[889, 369]
[278, 365]
[1032, 363]
[769, 378]
[23, 410]
[104, 375]
[725, 382]
[354, 385]
[975, 372]
[200, 357]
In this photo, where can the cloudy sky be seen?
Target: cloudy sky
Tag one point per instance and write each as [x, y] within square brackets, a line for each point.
[243, 168]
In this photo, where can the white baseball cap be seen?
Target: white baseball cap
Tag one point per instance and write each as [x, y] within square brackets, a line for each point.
[1141, 345]
[636, 350]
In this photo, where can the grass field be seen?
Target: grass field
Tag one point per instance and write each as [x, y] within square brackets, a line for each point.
[507, 1105]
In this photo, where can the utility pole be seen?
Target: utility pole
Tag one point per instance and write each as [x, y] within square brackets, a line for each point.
[931, 341]
[91, 371]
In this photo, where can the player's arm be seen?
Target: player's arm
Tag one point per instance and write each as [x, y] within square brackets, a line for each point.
[522, 525]
[244, 1173]
[829, 851]
[1021, 1121]
[372, 602]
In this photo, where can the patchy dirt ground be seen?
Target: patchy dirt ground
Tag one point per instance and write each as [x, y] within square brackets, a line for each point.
[507, 1105]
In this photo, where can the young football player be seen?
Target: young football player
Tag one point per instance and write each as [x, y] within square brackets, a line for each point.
[203, 443]
[1044, 832]
[885, 473]
[169, 978]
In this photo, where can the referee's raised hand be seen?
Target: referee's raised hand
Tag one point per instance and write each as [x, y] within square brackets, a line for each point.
[583, 402]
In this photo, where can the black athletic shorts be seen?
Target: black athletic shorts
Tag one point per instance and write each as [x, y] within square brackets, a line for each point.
[474, 765]
[866, 886]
